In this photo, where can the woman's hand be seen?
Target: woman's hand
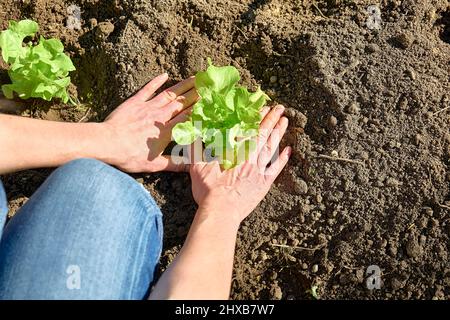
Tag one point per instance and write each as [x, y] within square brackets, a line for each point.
[140, 129]
[236, 192]
[203, 268]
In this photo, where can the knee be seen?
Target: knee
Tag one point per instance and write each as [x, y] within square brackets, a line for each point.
[99, 184]
[86, 167]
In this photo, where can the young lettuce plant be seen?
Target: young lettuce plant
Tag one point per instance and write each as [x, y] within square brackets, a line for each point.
[36, 71]
[226, 118]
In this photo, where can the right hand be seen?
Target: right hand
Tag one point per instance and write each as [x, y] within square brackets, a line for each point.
[238, 191]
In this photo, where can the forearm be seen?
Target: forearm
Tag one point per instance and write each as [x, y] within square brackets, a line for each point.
[30, 143]
[203, 268]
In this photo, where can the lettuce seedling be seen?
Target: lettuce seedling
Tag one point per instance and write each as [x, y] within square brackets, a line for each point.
[37, 71]
[226, 118]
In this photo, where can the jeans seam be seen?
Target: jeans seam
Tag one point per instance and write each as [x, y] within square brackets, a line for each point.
[137, 266]
[3, 208]
[152, 211]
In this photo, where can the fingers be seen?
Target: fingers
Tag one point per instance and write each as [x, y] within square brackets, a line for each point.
[272, 144]
[264, 111]
[275, 168]
[181, 117]
[195, 152]
[172, 93]
[150, 88]
[182, 102]
[266, 127]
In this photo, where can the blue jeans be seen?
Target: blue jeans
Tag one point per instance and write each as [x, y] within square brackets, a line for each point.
[89, 232]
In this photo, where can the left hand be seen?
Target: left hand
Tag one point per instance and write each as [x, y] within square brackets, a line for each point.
[234, 193]
[141, 128]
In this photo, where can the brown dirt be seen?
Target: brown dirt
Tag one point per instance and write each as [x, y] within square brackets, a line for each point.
[377, 99]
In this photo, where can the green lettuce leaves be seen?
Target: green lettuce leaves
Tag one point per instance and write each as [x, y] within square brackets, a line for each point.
[226, 117]
[39, 71]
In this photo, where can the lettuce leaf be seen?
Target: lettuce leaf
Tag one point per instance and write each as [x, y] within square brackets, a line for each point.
[226, 118]
[39, 71]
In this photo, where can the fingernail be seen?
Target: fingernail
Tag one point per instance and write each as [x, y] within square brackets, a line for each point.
[288, 151]
[280, 108]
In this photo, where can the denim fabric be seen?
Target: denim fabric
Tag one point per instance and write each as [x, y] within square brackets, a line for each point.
[3, 207]
[89, 232]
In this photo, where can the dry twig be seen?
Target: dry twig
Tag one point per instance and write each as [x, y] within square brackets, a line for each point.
[298, 248]
[323, 156]
[320, 11]
[84, 117]
[442, 110]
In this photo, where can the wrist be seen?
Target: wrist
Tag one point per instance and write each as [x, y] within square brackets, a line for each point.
[99, 139]
[221, 214]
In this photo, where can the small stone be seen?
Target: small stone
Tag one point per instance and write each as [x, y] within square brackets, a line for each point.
[73, 23]
[372, 48]
[403, 40]
[273, 276]
[318, 62]
[276, 292]
[403, 265]
[92, 23]
[298, 118]
[423, 240]
[334, 154]
[411, 74]
[273, 79]
[319, 198]
[353, 108]
[413, 249]
[304, 266]
[300, 186]
[438, 295]
[291, 258]
[332, 121]
[104, 29]
[428, 211]
[315, 268]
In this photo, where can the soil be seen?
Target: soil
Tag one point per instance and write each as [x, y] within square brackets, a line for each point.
[369, 180]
